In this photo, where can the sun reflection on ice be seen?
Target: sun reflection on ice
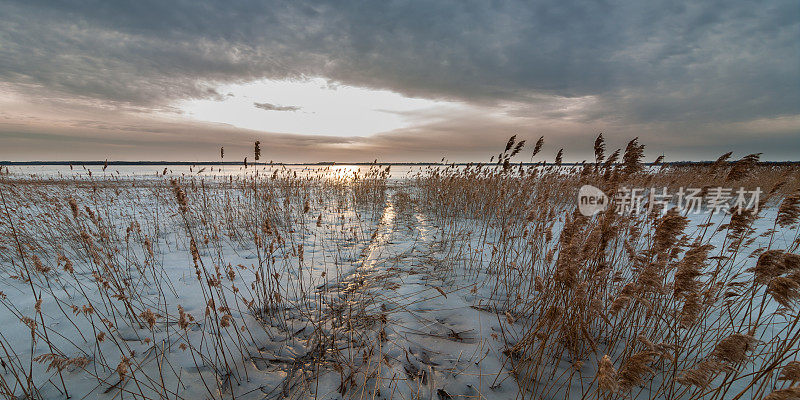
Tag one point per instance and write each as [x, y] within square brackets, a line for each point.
[345, 172]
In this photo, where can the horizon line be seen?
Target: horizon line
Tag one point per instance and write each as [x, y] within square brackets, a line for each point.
[360, 163]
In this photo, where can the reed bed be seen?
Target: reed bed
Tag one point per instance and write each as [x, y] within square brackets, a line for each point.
[478, 281]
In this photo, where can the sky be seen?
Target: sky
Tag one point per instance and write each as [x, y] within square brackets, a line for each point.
[396, 80]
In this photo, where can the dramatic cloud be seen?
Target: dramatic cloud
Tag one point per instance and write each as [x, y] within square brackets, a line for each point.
[273, 107]
[693, 78]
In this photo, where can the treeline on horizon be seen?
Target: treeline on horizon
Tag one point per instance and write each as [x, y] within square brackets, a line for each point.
[328, 163]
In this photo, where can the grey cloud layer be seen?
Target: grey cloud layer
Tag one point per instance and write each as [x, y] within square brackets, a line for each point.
[274, 107]
[687, 64]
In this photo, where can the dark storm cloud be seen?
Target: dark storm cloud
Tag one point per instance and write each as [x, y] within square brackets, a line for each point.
[658, 63]
[273, 107]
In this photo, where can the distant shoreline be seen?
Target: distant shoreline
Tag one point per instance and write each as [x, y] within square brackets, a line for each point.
[328, 164]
